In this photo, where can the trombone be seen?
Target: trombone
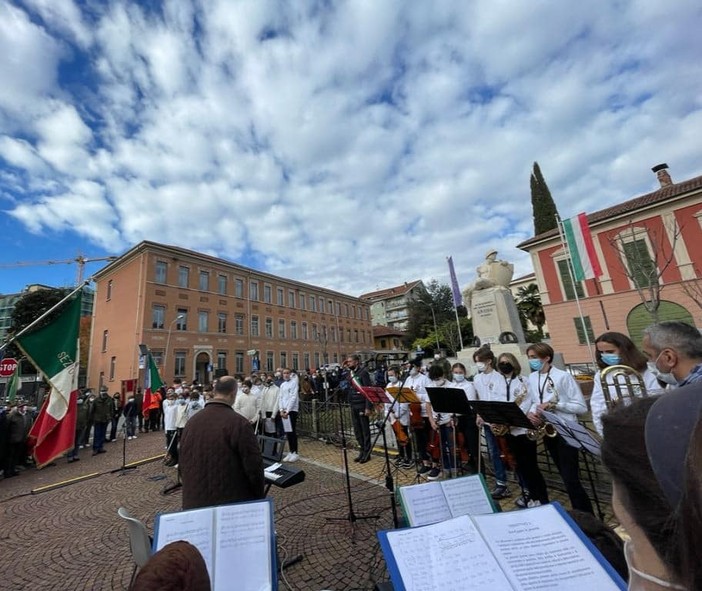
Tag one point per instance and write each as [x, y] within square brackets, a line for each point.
[626, 384]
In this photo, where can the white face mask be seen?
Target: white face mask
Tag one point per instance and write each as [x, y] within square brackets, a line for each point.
[481, 366]
[414, 371]
[637, 577]
[392, 379]
[458, 377]
[665, 377]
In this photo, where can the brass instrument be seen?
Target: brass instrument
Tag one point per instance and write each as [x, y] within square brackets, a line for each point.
[502, 430]
[545, 429]
[625, 389]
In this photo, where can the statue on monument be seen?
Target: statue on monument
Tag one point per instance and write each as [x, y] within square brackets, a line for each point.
[491, 273]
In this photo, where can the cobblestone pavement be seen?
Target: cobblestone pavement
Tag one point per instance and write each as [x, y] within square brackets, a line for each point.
[70, 537]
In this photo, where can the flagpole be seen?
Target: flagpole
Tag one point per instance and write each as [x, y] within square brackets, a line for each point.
[569, 262]
[454, 290]
[44, 315]
[458, 323]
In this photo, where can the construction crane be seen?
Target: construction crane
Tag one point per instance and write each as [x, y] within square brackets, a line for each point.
[80, 260]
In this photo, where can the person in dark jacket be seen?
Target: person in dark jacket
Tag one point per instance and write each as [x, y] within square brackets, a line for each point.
[130, 416]
[139, 399]
[360, 407]
[220, 460]
[117, 404]
[101, 415]
[18, 425]
[81, 424]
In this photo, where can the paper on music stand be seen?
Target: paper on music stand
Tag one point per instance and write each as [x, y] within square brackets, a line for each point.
[407, 395]
[269, 426]
[287, 425]
[575, 434]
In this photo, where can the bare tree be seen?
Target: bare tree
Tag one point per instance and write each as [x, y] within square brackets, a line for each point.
[693, 288]
[644, 266]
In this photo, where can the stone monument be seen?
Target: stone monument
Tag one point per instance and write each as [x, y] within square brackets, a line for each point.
[493, 310]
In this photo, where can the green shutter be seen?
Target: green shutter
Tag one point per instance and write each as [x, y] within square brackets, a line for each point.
[641, 267]
[582, 325]
[567, 281]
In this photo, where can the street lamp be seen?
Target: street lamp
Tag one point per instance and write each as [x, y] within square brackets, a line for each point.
[168, 342]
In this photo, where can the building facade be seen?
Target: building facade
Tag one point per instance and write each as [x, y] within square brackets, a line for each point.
[202, 316]
[648, 249]
[390, 307]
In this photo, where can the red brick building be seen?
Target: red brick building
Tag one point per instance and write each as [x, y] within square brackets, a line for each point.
[199, 314]
[657, 234]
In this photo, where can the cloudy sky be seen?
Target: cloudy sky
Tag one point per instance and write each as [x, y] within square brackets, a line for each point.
[353, 145]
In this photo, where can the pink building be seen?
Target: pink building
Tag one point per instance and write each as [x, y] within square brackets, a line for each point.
[649, 242]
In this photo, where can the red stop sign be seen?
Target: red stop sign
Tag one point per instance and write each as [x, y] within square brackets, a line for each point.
[7, 367]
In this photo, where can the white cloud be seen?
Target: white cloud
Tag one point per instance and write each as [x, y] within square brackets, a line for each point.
[348, 145]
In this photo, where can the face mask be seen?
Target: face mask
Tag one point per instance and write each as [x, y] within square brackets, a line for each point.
[392, 379]
[481, 366]
[637, 577]
[610, 358]
[245, 390]
[505, 367]
[536, 364]
[440, 382]
[414, 371]
[459, 377]
[663, 376]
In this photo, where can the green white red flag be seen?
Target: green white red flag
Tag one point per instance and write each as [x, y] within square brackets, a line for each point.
[152, 382]
[54, 350]
[581, 248]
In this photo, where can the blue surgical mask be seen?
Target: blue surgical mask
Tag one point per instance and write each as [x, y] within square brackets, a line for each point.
[610, 358]
[536, 364]
[459, 377]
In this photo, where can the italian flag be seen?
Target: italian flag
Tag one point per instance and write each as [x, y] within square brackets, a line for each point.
[54, 350]
[581, 248]
[152, 382]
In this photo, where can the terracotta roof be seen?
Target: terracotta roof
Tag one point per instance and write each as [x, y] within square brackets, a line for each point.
[641, 202]
[387, 331]
[521, 278]
[391, 291]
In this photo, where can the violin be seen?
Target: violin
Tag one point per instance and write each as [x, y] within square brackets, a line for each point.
[506, 453]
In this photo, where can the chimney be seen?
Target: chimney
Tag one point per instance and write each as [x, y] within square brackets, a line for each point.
[661, 171]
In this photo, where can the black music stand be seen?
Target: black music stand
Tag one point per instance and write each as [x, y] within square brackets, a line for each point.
[581, 438]
[501, 413]
[351, 517]
[123, 469]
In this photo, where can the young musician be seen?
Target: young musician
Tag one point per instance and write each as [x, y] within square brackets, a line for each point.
[399, 418]
[489, 385]
[441, 423]
[467, 426]
[557, 391]
[523, 449]
[614, 348]
[418, 382]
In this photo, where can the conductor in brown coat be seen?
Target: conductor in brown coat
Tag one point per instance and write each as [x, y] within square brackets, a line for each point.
[220, 460]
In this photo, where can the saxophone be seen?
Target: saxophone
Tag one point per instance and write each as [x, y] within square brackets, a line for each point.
[502, 430]
[545, 429]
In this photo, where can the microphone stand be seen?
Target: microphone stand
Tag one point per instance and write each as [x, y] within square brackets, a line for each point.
[351, 517]
[124, 468]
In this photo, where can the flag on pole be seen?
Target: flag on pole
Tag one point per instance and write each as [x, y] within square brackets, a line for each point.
[54, 350]
[152, 382]
[13, 385]
[457, 299]
[581, 248]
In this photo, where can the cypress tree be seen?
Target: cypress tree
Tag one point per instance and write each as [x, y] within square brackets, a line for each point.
[543, 207]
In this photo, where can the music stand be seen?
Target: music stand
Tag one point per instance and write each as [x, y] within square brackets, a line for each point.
[403, 395]
[581, 438]
[501, 413]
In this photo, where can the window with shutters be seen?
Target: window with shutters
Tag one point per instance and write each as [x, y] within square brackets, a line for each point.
[642, 269]
[581, 325]
[567, 281]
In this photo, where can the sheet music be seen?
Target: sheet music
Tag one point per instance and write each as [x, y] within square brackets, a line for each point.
[446, 556]
[273, 467]
[467, 496]
[538, 549]
[244, 538]
[425, 503]
[195, 526]
[287, 425]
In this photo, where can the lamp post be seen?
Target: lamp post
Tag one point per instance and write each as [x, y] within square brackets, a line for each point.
[168, 342]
